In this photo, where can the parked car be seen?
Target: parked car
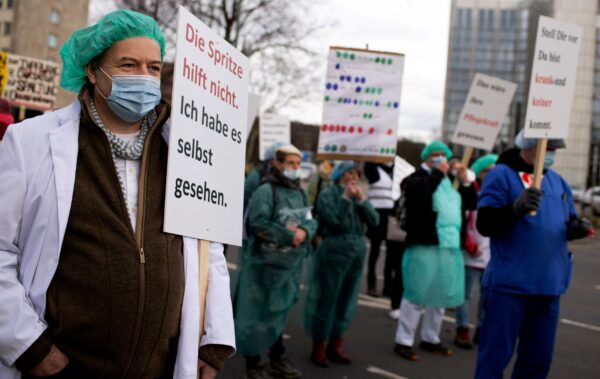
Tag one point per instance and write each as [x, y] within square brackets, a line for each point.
[577, 193]
[591, 198]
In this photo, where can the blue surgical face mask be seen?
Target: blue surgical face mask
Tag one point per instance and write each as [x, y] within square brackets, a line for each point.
[437, 160]
[549, 159]
[132, 96]
[291, 174]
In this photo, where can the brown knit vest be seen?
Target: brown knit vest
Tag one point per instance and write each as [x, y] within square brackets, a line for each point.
[93, 303]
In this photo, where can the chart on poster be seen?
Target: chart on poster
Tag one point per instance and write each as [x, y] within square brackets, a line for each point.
[361, 105]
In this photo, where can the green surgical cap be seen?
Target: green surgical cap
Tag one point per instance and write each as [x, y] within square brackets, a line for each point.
[484, 162]
[89, 42]
[436, 146]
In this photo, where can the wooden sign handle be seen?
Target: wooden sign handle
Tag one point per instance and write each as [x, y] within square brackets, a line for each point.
[465, 161]
[540, 154]
[203, 260]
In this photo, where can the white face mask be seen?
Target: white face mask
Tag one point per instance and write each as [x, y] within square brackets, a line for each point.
[291, 174]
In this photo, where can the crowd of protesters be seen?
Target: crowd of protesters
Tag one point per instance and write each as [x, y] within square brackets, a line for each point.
[91, 285]
[450, 252]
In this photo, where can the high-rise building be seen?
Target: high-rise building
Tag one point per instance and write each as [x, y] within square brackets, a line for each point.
[501, 41]
[594, 165]
[38, 28]
[483, 38]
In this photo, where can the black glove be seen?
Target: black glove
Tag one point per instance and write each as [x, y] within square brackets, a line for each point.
[529, 200]
[578, 228]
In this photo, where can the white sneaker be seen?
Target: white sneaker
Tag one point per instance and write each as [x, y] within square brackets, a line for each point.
[394, 314]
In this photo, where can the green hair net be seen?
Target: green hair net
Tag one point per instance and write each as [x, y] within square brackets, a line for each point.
[89, 42]
[484, 162]
[436, 146]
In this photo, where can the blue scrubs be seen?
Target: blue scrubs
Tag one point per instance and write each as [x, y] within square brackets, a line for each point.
[530, 268]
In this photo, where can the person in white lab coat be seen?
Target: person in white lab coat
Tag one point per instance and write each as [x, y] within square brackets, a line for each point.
[90, 285]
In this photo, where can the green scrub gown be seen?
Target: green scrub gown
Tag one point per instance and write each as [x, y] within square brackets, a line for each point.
[271, 268]
[338, 264]
[434, 275]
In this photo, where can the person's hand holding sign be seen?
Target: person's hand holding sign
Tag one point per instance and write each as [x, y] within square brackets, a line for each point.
[528, 201]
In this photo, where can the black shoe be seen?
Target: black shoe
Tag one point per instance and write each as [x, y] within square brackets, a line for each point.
[406, 352]
[372, 292]
[462, 338]
[257, 373]
[436, 348]
[281, 368]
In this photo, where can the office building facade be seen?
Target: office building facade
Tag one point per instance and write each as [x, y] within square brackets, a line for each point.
[38, 29]
[497, 37]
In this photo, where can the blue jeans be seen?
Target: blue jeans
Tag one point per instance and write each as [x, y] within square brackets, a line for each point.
[463, 313]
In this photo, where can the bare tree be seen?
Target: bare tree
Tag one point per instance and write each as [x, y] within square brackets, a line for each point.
[272, 33]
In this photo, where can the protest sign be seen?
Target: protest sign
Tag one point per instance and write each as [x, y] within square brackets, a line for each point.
[361, 105]
[484, 110]
[552, 86]
[402, 169]
[205, 177]
[29, 82]
[272, 129]
[553, 77]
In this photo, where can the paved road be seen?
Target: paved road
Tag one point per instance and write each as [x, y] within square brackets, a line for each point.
[370, 337]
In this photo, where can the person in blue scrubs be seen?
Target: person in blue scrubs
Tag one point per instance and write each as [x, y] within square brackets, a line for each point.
[530, 264]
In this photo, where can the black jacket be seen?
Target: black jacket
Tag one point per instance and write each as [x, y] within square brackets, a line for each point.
[420, 216]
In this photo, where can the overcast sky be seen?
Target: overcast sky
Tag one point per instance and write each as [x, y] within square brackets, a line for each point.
[416, 28]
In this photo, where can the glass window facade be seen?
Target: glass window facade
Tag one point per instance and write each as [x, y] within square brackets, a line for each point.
[594, 165]
[486, 41]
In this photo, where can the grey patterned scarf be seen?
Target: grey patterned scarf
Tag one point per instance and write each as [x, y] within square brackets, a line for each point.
[121, 149]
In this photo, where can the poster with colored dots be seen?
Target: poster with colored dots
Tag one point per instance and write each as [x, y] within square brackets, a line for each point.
[361, 105]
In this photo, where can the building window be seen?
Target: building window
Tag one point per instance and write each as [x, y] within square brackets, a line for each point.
[7, 27]
[52, 40]
[54, 16]
[9, 4]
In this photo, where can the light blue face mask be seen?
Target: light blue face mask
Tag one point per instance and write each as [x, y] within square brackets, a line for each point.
[438, 160]
[132, 96]
[549, 159]
[291, 174]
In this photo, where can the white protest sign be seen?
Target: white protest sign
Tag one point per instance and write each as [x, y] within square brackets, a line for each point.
[481, 117]
[253, 108]
[402, 169]
[29, 82]
[205, 177]
[361, 105]
[272, 128]
[552, 79]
